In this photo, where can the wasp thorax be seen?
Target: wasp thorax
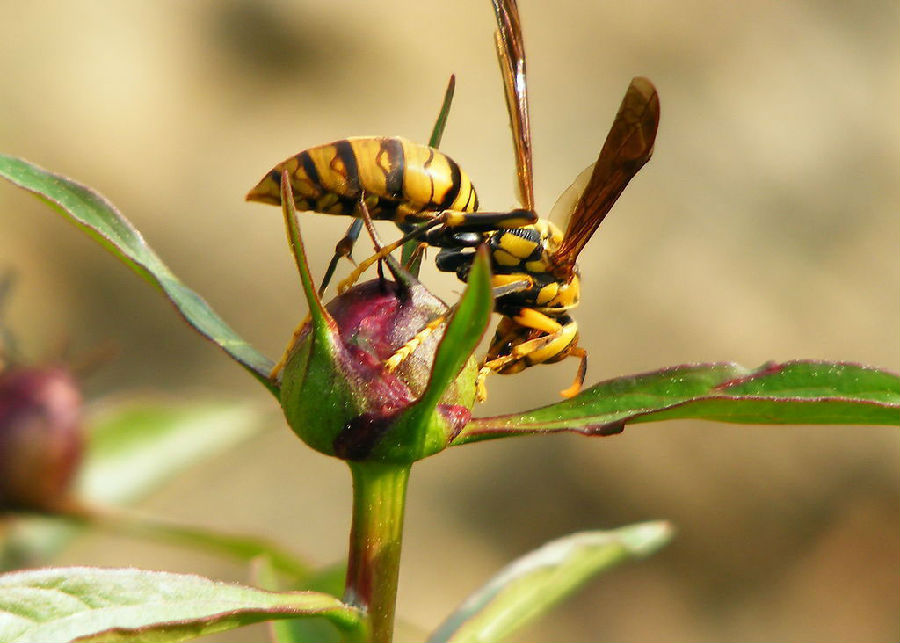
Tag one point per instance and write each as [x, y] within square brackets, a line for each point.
[346, 390]
[41, 438]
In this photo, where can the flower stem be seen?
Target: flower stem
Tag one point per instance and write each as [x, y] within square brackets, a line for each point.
[376, 536]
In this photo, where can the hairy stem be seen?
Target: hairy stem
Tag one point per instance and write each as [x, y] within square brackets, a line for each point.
[376, 536]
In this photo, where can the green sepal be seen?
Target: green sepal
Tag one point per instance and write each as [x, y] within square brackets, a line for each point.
[423, 426]
[313, 370]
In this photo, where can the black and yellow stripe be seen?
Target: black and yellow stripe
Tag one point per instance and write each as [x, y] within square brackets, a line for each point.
[402, 181]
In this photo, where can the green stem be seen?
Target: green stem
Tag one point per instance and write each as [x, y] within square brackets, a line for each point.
[376, 536]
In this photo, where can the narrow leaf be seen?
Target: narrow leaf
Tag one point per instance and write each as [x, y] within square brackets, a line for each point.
[102, 221]
[137, 445]
[463, 334]
[237, 546]
[796, 392]
[533, 584]
[90, 604]
[437, 132]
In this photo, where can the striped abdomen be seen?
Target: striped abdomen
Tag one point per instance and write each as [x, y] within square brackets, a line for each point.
[402, 181]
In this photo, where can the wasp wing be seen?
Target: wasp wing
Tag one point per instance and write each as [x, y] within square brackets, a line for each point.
[562, 210]
[511, 55]
[628, 147]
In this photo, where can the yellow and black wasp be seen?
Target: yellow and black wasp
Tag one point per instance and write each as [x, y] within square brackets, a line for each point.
[534, 273]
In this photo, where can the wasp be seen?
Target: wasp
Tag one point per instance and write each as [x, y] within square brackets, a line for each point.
[535, 278]
[534, 271]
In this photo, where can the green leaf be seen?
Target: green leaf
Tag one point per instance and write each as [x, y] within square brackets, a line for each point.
[329, 580]
[533, 584]
[437, 132]
[137, 445]
[796, 392]
[90, 604]
[102, 221]
[240, 547]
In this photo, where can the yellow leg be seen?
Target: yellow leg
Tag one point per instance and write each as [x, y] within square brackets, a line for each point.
[495, 365]
[480, 388]
[409, 347]
[574, 389]
[532, 318]
[354, 276]
[534, 348]
[383, 251]
[276, 370]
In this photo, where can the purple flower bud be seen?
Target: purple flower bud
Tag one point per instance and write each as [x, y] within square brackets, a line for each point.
[343, 399]
[41, 437]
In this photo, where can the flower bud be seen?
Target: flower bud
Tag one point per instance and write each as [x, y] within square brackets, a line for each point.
[41, 437]
[339, 396]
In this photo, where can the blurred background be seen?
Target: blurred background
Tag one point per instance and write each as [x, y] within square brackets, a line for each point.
[765, 227]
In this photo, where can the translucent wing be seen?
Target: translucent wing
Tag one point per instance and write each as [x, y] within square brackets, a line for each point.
[565, 204]
[511, 54]
[628, 147]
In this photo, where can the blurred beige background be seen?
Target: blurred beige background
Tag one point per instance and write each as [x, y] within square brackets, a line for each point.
[765, 227]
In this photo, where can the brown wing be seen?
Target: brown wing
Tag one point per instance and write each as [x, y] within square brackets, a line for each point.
[628, 146]
[511, 54]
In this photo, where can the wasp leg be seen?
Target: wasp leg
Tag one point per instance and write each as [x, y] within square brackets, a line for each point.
[480, 387]
[578, 382]
[517, 356]
[459, 221]
[384, 251]
[392, 362]
[409, 347]
[401, 276]
[556, 340]
[275, 373]
[380, 251]
[416, 256]
[344, 248]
